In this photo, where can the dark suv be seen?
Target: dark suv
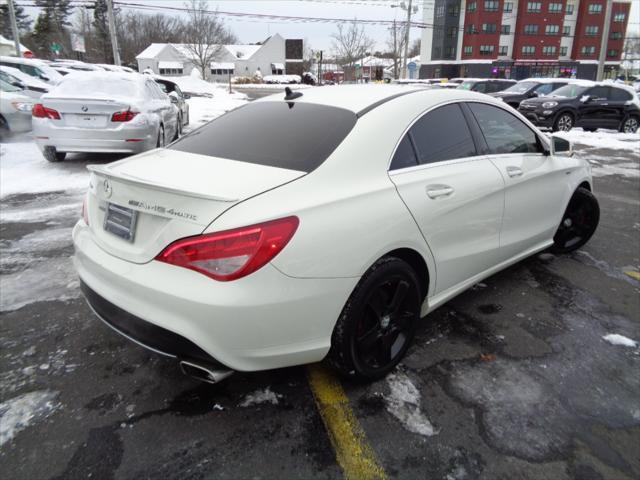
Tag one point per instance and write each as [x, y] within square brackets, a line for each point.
[587, 105]
[532, 87]
[486, 85]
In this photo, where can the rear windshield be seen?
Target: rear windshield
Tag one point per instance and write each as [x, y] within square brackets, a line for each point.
[98, 85]
[295, 136]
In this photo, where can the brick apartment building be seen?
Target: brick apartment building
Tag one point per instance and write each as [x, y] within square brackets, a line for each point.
[520, 38]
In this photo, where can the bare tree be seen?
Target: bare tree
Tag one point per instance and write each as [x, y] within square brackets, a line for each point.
[204, 36]
[350, 43]
[395, 44]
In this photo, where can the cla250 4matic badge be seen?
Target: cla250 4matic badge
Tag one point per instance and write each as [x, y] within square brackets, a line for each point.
[163, 210]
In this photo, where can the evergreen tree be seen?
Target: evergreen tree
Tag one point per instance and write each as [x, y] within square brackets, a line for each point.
[51, 25]
[101, 25]
[22, 19]
[41, 35]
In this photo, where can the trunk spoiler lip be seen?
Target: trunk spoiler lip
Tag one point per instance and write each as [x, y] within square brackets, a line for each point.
[131, 179]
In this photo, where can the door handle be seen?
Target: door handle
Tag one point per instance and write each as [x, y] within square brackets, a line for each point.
[435, 191]
[514, 171]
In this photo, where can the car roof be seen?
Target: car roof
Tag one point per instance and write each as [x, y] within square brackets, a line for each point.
[26, 61]
[550, 80]
[361, 99]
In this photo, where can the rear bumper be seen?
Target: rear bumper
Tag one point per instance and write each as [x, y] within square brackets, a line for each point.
[262, 321]
[73, 139]
[18, 121]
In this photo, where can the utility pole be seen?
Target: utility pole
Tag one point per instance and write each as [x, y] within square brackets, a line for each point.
[604, 41]
[14, 27]
[112, 32]
[406, 42]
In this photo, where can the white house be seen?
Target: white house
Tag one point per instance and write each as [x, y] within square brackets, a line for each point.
[275, 56]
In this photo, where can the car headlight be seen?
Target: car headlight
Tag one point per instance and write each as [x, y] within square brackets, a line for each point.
[22, 106]
[549, 104]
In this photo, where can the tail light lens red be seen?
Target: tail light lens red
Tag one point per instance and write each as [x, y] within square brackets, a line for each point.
[125, 116]
[40, 111]
[231, 254]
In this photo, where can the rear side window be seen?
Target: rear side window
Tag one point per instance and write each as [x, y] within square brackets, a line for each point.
[503, 132]
[297, 136]
[405, 156]
[442, 134]
[619, 95]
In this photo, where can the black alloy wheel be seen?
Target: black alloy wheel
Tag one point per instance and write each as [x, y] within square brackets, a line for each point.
[579, 222]
[378, 322]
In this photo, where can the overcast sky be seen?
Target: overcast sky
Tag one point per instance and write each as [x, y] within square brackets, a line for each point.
[251, 30]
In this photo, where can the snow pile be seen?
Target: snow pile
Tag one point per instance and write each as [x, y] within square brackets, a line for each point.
[259, 397]
[197, 87]
[203, 110]
[282, 79]
[403, 402]
[616, 339]
[18, 413]
[603, 139]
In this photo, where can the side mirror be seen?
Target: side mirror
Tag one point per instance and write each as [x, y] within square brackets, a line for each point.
[19, 84]
[561, 146]
[533, 94]
[173, 96]
[585, 99]
[186, 96]
[44, 77]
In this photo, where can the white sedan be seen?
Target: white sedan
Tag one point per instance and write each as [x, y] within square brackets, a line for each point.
[322, 224]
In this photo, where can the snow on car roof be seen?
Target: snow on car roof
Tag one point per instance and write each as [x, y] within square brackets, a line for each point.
[550, 80]
[24, 78]
[99, 84]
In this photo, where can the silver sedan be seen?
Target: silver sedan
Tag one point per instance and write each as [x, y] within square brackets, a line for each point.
[103, 112]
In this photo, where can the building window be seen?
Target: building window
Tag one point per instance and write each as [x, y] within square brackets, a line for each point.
[486, 49]
[612, 53]
[450, 52]
[170, 71]
[491, 6]
[564, 51]
[555, 7]
[454, 10]
[488, 28]
[566, 31]
[591, 30]
[530, 29]
[570, 7]
[552, 29]
[595, 8]
[471, 28]
[549, 50]
[504, 50]
[534, 7]
[528, 50]
[468, 50]
[221, 71]
[508, 7]
[472, 7]
[588, 50]
[440, 11]
[505, 30]
[616, 35]
[619, 17]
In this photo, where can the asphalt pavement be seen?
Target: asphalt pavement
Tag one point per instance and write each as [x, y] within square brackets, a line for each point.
[511, 380]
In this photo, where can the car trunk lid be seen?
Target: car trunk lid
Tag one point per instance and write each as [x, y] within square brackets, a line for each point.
[86, 112]
[163, 195]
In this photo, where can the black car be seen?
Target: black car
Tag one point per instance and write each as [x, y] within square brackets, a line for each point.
[486, 85]
[587, 105]
[533, 87]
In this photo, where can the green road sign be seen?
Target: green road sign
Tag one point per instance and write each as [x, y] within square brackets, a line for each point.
[56, 48]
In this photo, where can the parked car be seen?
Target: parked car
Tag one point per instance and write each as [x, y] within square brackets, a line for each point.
[15, 109]
[585, 104]
[529, 88]
[35, 68]
[103, 112]
[486, 85]
[178, 97]
[322, 223]
[32, 87]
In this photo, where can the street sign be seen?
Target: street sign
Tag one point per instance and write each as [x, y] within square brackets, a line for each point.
[56, 48]
[412, 66]
[77, 43]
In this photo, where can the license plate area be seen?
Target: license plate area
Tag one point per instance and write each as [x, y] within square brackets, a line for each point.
[121, 221]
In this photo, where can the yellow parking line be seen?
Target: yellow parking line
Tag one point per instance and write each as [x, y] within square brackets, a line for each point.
[353, 452]
[632, 274]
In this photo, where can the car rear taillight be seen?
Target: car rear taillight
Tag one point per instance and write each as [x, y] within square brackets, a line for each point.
[125, 116]
[231, 254]
[40, 111]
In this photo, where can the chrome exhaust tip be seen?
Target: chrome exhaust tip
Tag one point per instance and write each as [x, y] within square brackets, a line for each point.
[202, 373]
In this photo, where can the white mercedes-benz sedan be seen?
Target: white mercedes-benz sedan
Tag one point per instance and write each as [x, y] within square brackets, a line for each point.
[103, 112]
[322, 224]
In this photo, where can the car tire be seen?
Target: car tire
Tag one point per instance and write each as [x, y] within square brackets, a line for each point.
[377, 324]
[178, 128]
[579, 222]
[630, 124]
[563, 123]
[52, 155]
[160, 142]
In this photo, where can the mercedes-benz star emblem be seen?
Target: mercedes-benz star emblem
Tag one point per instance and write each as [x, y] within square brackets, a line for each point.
[85, 108]
[107, 188]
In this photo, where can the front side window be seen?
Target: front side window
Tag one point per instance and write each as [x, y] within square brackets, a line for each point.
[503, 132]
[570, 90]
[442, 134]
[545, 88]
[599, 93]
[298, 137]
